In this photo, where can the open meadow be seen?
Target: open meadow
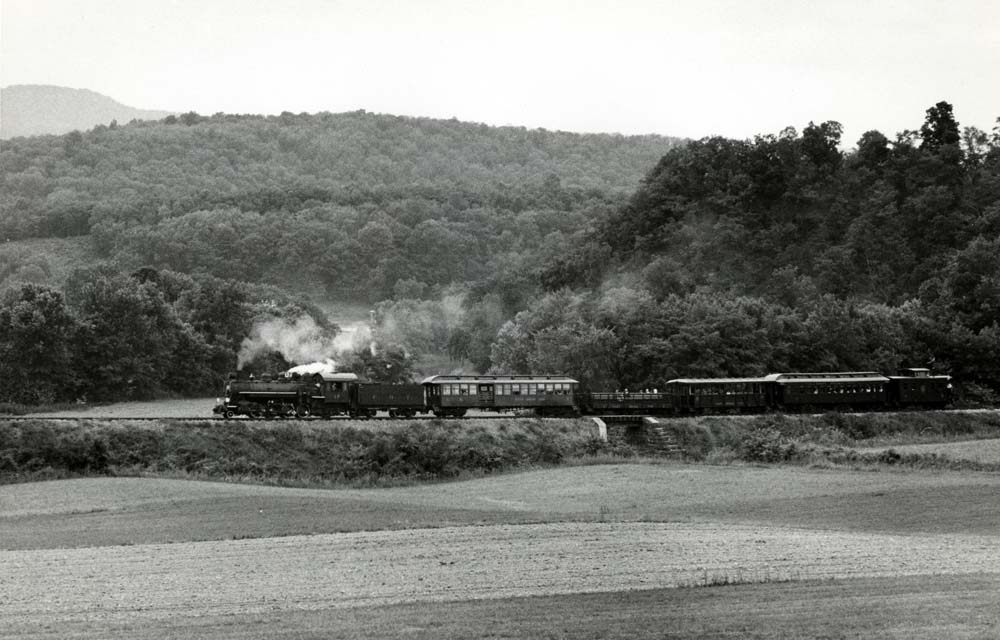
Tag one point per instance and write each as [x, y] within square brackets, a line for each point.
[618, 550]
[981, 451]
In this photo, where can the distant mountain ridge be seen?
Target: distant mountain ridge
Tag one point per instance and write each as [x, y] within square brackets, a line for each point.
[34, 109]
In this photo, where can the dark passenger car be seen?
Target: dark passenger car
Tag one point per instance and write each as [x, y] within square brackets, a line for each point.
[454, 395]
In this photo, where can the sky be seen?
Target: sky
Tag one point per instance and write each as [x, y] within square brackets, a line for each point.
[690, 68]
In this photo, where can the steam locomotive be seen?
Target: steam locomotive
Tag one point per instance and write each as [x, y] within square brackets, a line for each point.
[336, 394]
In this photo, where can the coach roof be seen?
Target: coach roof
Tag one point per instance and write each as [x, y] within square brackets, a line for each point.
[827, 378]
[716, 380]
[459, 379]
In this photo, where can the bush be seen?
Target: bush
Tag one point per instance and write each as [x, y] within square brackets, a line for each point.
[767, 445]
[288, 451]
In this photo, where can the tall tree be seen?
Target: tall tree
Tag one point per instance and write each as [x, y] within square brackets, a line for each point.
[36, 338]
[939, 128]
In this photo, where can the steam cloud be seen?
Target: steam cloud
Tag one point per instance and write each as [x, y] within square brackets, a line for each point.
[301, 342]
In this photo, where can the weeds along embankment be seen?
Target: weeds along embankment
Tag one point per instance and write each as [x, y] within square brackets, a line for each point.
[833, 438]
[358, 453]
[294, 452]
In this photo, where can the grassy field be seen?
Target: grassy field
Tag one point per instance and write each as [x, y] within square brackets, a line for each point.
[577, 552]
[980, 451]
[115, 511]
[590, 549]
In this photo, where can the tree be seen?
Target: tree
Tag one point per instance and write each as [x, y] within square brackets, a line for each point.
[131, 343]
[820, 143]
[939, 128]
[973, 279]
[873, 149]
[382, 363]
[36, 338]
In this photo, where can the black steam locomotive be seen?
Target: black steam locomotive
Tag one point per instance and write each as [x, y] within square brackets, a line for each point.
[326, 395]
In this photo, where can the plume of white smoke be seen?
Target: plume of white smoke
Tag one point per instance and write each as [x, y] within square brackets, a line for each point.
[327, 366]
[353, 337]
[419, 326]
[300, 341]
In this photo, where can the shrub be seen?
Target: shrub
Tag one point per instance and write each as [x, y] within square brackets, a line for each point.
[767, 445]
[290, 451]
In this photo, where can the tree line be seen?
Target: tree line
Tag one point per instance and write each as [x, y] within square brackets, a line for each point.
[730, 258]
[782, 253]
[115, 336]
[347, 203]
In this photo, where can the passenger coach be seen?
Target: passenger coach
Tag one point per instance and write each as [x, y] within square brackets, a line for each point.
[453, 396]
[816, 391]
[719, 395]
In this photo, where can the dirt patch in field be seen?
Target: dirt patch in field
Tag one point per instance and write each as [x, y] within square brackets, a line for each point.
[157, 582]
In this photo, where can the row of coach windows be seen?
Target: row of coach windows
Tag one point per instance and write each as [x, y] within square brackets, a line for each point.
[458, 389]
[726, 389]
[517, 389]
[533, 388]
[836, 389]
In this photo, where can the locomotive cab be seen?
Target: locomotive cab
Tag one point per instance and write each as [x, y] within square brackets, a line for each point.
[332, 392]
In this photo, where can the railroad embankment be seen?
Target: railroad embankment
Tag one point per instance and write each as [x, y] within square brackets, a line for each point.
[831, 438]
[293, 452]
[359, 453]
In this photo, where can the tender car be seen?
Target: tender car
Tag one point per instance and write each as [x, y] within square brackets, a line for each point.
[399, 400]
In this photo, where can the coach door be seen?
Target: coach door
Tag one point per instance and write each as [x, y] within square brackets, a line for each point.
[485, 395]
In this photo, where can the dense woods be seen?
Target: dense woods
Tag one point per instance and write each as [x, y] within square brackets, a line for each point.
[344, 204]
[501, 249]
[782, 253]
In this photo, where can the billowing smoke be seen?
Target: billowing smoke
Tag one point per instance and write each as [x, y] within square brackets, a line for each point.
[353, 337]
[303, 342]
[327, 366]
[419, 326]
[300, 341]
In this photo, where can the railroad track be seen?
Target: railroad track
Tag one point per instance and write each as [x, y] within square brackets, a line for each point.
[240, 419]
[608, 418]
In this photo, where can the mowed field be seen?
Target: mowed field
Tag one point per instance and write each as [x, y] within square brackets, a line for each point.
[983, 451]
[635, 550]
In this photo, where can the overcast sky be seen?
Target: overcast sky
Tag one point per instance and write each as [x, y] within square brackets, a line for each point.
[684, 68]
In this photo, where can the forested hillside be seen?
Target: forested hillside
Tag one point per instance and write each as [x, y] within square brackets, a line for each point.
[500, 249]
[782, 253]
[350, 202]
[205, 227]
